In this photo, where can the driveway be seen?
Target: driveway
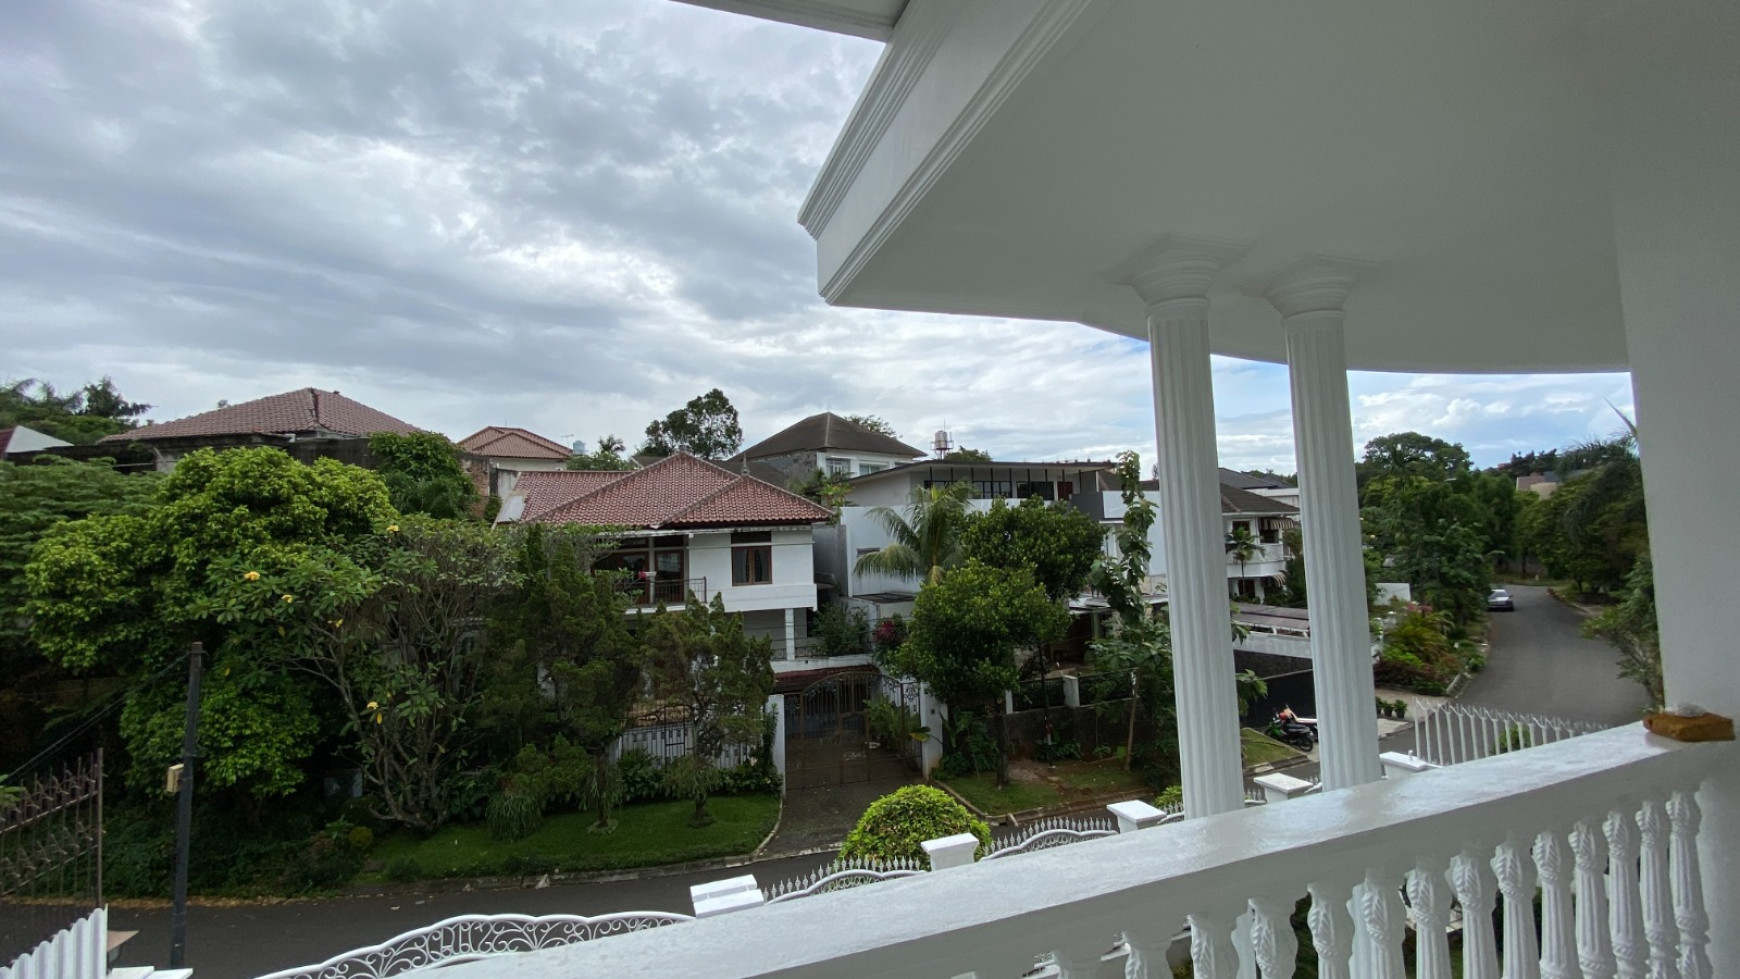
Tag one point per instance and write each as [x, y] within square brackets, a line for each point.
[1540, 664]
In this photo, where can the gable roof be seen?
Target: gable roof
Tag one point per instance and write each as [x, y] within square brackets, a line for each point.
[293, 412]
[1232, 477]
[505, 442]
[675, 492]
[18, 438]
[1235, 500]
[819, 433]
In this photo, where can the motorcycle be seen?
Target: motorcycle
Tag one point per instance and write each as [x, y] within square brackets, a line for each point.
[1291, 729]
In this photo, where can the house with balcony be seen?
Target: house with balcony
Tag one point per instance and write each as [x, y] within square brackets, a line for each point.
[685, 530]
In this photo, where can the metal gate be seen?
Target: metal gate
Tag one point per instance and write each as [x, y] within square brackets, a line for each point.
[851, 727]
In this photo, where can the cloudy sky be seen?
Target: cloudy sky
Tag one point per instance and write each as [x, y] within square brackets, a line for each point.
[572, 216]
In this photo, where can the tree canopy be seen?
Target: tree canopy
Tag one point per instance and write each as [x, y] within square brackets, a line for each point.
[964, 454]
[1057, 542]
[1411, 454]
[607, 457]
[706, 427]
[926, 539]
[82, 417]
[966, 627]
[875, 423]
[423, 474]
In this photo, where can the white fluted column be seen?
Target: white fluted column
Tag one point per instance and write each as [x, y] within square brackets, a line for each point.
[1309, 297]
[1173, 281]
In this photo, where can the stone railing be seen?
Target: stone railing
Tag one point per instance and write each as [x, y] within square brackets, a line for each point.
[1565, 817]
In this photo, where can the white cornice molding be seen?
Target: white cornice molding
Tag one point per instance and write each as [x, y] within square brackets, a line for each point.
[836, 18]
[914, 43]
[1319, 284]
[1048, 27]
[1178, 267]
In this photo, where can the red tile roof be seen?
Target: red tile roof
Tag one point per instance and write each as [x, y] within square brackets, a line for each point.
[500, 441]
[308, 410]
[677, 491]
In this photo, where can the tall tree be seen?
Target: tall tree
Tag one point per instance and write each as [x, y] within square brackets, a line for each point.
[1056, 542]
[1411, 454]
[700, 658]
[81, 418]
[607, 457]
[707, 427]
[572, 622]
[927, 539]
[423, 474]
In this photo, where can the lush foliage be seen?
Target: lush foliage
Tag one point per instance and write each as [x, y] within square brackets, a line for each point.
[897, 825]
[423, 473]
[1419, 652]
[1594, 528]
[874, 423]
[707, 427]
[82, 417]
[1630, 625]
[842, 630]
[1057, 542]
[700, 658]
[964, 454]
[926, 539]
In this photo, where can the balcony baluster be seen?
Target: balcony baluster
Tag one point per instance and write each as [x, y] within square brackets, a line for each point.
[1594, 950]
[1658, 912]
[1471, 879]
[1426, 896]
[1688, 883]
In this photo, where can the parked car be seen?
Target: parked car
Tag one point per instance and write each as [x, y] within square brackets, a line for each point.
[1500, 601]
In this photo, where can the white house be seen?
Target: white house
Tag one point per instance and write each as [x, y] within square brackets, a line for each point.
[687, 528]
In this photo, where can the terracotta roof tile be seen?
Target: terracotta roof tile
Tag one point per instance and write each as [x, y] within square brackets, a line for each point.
[308, 410]
[500, 441]
[677, 491]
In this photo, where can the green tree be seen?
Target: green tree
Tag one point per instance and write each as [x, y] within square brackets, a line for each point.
[966, 628]
[927, 540]
[1412, 454]
[81, 418]
[874, 423]
[964, 454]
[700, 658]
[126, 593]
[1241, 546]
[1433, 534]
[423, 474]
[1120, 578]
[607, 457]
[706, 427]
[1058, 543]
[1631, 627]
[572, 622]
[826, 488]
[1595, 527]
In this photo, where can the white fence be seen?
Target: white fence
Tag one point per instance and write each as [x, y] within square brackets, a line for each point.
[668, 742]
[1455, 733]
[78, 952]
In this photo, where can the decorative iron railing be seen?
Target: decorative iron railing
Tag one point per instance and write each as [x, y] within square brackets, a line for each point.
[1053, 832]
[1456, 733]
[648, 592]
[840, 875]
[476, 936]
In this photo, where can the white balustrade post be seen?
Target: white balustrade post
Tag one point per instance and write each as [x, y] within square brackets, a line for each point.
[1386, 923]
[1309, 296]
[1428, 898]
[950, 852]
[1516, 882]
[1594, 944]
[1273, 944]
[1212, 953]
[1688, 884]
[1558, 922]
[1331, 930]
[1147, 954]
[1471, 879]
[1625, 907]
[1658, 905]
[1173, 281]
[1134, 814]
[1079, 960]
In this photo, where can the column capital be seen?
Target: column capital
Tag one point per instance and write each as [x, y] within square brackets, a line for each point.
[1313, 285]
[1178, 267]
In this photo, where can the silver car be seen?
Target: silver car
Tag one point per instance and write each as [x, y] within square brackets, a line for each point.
[1499, 600]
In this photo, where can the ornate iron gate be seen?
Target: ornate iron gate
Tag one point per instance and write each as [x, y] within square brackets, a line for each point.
[51, 855]
[851, 727]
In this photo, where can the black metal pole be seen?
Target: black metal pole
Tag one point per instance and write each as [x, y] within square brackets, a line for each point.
[184, 810]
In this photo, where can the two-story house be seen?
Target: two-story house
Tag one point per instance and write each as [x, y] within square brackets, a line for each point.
[685, 529]
[825, 442]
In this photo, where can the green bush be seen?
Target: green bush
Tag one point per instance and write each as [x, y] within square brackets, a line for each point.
[842, 631]
[749, 778]
[897, 825]
[1172, 795]
[515, 813]
[403, 868]
[639, 774]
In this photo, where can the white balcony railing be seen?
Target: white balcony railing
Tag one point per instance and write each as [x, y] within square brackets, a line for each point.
[1370, 858]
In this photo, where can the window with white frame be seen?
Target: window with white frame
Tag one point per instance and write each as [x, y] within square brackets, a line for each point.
[752, 557]
[839, 467]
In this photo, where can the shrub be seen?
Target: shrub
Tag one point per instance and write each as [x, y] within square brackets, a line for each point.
[638, 771]
[842, 631]
[1172, 795]
[403, 868]
[897, 825]
[749, 778]
[515, 813]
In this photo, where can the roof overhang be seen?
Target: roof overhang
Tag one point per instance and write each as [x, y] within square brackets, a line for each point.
[873, 19]
[1013, 158]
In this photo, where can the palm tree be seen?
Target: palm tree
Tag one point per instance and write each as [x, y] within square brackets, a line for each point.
[1241, 546]
[927, 540]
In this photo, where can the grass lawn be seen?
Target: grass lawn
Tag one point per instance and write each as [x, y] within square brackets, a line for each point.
[1260, 749]
[1036, 784]
[647, 834]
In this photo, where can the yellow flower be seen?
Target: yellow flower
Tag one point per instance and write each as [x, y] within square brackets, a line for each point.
[289, 598]
[252, 576]
[378, 719]
[338, 623]
[373, 705]
[392, 528]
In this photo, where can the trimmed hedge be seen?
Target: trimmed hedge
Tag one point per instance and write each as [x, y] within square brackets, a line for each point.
[898, 823]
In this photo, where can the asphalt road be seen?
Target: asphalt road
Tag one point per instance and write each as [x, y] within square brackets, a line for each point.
[1540, 664]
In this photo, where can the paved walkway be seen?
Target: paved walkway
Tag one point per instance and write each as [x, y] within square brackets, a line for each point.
[820, 818]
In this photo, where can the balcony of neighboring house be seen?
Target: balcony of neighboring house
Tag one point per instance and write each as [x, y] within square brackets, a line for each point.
[651, 592]
[656, 570]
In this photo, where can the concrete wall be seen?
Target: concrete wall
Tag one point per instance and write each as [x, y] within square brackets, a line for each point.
[794, 575]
